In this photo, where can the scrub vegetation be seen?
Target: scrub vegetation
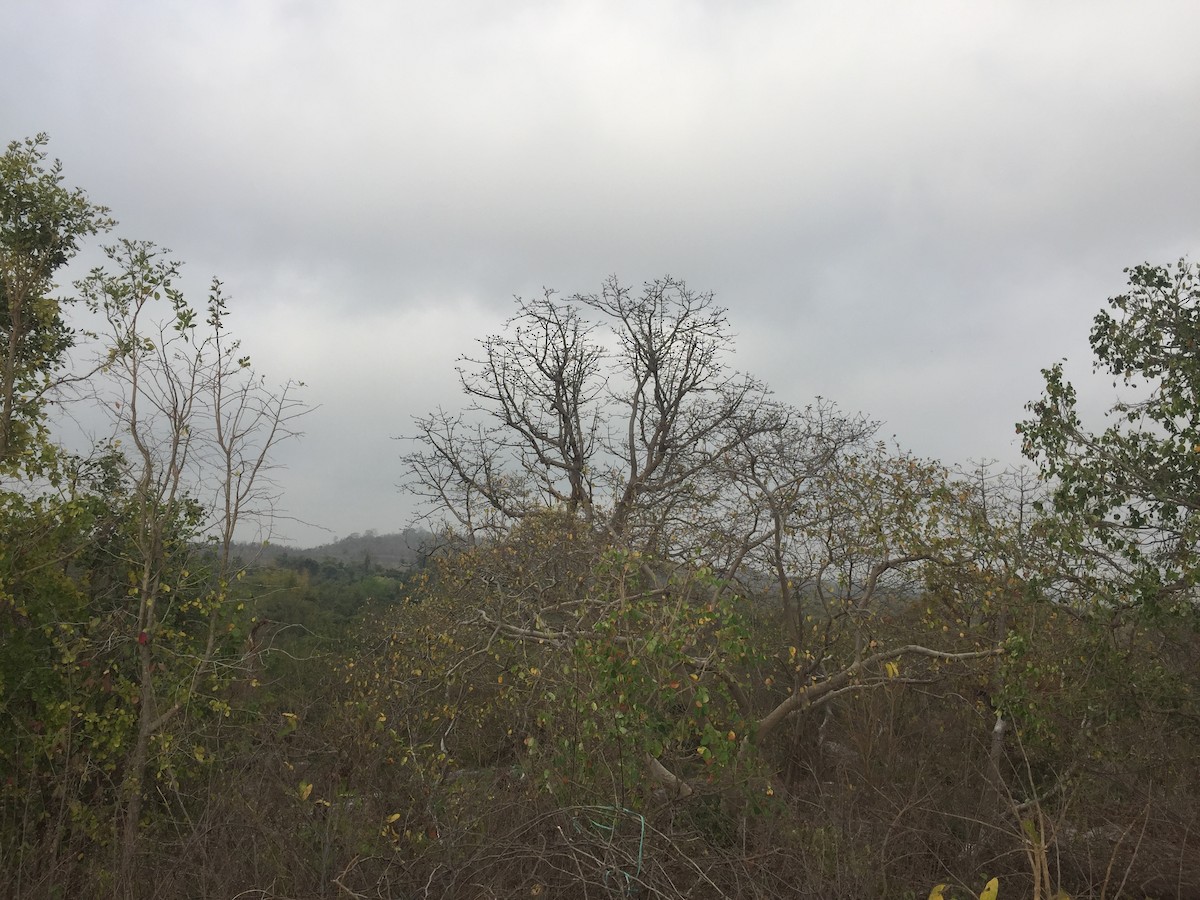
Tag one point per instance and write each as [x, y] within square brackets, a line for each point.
[657, 633]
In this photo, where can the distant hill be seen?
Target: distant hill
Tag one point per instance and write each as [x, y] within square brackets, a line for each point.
[387, 551]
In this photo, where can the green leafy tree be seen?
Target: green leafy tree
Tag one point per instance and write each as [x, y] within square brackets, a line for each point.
[1121, 525]
[42, 222]
[50, 506]
[1127, 497]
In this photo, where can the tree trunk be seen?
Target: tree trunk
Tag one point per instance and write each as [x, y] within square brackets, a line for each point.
[135, 775]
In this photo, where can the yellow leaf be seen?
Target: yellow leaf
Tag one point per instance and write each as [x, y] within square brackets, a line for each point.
[392, 818]
[893, 669]
[936, 893]
[990, 890]
[305, 790]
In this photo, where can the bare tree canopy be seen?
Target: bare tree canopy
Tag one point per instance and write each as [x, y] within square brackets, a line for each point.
[613, 405]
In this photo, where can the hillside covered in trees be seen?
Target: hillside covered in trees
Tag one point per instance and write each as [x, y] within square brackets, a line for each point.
[659, 634]
[370, 549]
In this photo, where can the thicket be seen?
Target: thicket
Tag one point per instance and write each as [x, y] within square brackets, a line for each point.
[675, 638]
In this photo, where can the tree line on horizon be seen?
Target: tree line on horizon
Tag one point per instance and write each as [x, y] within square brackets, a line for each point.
[662, 634]
[402, 549]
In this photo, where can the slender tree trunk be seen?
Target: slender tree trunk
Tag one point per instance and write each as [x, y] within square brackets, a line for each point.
[135, 775]
[8, 373]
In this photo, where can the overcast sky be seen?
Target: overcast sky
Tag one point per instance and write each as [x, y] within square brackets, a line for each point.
[909, 208]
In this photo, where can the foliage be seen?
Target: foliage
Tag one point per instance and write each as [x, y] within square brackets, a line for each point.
[1120, 526]
[1125, 497]
[41, 225]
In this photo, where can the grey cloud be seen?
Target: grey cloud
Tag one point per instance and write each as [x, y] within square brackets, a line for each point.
[908, 208]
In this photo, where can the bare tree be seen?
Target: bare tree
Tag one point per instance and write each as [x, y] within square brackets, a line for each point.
[672, 483]
[612, 419]
[540, 384]
[530, 438]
